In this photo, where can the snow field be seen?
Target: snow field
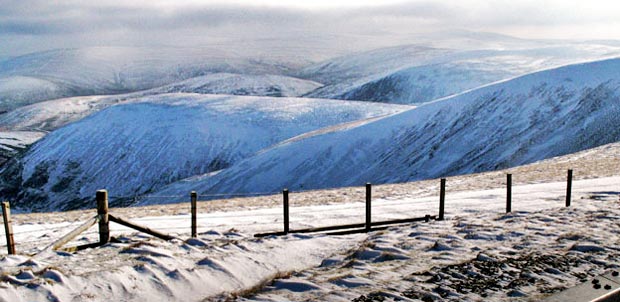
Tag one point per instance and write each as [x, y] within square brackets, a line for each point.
[402, 261]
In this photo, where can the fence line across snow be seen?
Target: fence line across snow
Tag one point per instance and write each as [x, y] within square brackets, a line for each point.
[103, 218]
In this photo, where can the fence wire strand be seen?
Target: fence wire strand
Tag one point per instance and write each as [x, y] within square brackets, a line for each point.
[249, 194]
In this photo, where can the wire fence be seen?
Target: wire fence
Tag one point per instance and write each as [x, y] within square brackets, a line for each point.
[136, 200]
[47, 235]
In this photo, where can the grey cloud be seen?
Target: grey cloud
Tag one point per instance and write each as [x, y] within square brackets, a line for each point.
[37, 17]
[78, 22]
[48, 20]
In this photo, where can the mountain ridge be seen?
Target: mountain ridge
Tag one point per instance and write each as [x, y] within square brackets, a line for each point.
[526, 119]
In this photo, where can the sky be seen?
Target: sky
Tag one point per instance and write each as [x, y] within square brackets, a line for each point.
[34, 25]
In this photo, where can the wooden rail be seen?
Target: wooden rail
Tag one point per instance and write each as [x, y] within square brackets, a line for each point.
[360, 226]
[140, 228]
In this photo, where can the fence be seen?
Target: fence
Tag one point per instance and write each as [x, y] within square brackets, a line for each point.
[103, 218]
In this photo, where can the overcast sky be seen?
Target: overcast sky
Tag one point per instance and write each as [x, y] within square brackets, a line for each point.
[33, 25]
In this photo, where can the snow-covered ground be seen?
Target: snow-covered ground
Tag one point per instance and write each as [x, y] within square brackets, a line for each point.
[478, 253]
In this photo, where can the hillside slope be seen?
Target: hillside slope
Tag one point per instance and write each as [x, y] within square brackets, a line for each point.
[414, 74]
[50, 115]
[60, 73]
[520, 121]
[241, 84]
[145, 143]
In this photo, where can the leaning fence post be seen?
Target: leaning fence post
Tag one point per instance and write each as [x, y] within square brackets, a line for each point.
[508, 193]
[368, 207]
[285, 204]
[193, 197]
[569, 186]
[104, 220]
[442, 198]
[8, 228]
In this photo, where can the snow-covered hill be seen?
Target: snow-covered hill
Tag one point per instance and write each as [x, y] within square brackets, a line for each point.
[105, 70]
[370, 63]
[139, 146]
[50, 115]
[241, 84]
[520, 121]
[414, 74]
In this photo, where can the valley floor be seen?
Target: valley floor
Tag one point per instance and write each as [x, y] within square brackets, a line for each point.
[477, 254]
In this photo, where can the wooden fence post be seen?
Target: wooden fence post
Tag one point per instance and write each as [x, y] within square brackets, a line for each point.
[442, 199]
[508, 193]
[104, 220]
[569, 186]
[8, 228]
[285, 204]
[193, 197]
[368, 206]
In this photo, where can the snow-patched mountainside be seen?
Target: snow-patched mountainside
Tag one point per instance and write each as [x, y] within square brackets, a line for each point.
[105, 70]
[13, 142]
[21, 90]
[370, 63]
[136, 147]
[520, 121]
[50, 115]
[414, 74]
